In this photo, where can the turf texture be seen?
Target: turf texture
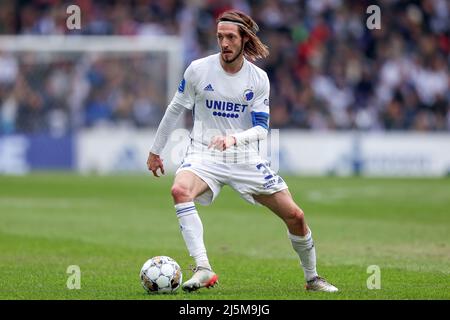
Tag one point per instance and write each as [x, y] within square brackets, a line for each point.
[110, 225]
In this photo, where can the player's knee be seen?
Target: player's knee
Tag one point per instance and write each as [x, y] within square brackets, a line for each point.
[294, 216]
[180, 193]
[297, 215]
[300, 215]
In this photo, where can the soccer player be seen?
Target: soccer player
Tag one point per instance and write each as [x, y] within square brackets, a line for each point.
[229, 99]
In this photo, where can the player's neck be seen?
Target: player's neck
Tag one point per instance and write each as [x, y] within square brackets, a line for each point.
[233, 67]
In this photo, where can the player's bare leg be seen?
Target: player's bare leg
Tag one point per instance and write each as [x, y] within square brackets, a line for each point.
[186, 187]
[282, 204]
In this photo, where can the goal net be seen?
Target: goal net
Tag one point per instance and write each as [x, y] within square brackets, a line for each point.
[64, 83]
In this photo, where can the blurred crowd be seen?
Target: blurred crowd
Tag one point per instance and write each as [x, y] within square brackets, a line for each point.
[328, 70]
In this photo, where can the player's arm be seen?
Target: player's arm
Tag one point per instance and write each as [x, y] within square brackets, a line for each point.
[257, 132]
[184, 99]
[168, 122]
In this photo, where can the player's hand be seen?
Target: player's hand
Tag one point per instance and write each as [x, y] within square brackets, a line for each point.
[222, 142]
[154, 162]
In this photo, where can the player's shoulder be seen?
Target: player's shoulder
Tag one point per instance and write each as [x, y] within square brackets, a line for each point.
[203, 63]
[257, 71]
[259, 76]
[199, 67]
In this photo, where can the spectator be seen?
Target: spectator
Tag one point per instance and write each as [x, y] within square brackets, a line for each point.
[327, 70]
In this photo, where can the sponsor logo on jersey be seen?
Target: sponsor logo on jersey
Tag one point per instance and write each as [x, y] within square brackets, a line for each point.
[233, 108]
[181, 86]
[225, 106]
[209, 88]
[248, 95]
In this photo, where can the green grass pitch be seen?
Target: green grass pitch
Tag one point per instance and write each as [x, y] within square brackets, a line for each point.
[109, 226]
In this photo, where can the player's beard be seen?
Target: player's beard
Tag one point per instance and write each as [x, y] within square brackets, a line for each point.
[233, 59]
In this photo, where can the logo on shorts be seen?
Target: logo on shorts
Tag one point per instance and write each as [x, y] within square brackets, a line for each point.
[248, 95]
[266, 102]
[269, 183]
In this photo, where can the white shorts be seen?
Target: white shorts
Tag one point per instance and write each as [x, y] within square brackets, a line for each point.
[246, 179]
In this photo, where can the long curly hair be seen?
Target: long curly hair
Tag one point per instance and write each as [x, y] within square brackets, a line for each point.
[253, 49]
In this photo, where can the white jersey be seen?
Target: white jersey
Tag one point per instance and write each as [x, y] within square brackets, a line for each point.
[223, 104]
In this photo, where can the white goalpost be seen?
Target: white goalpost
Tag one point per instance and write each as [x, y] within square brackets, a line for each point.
[169, 45]
[108, 93]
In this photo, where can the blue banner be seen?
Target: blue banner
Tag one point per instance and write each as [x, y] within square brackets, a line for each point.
[22, 153]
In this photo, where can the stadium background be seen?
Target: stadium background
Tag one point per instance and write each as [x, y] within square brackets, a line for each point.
[347, 100]
[328, 72]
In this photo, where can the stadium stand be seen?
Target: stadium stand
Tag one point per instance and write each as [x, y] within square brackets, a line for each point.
[328, 71]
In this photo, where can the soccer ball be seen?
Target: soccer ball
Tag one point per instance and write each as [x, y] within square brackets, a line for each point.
[161, 274]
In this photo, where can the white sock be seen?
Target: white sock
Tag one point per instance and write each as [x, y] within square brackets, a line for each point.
[304, 246]
[192, 230]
